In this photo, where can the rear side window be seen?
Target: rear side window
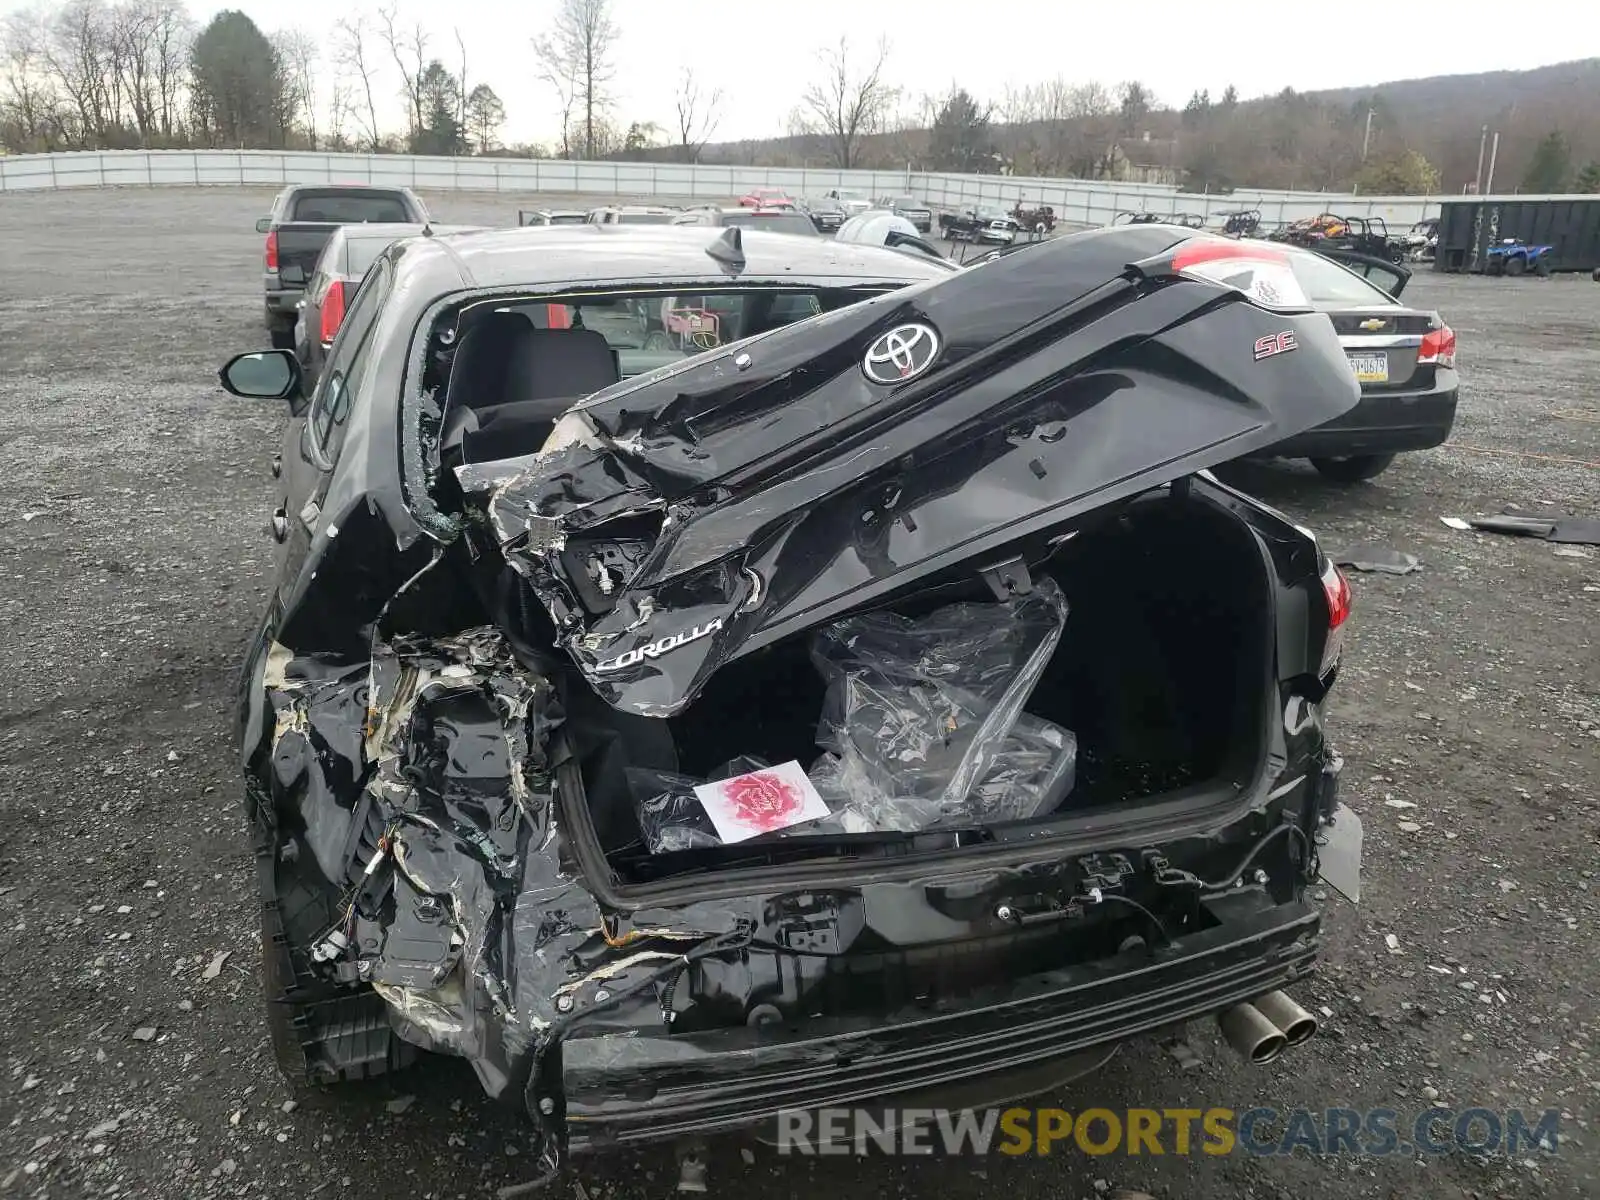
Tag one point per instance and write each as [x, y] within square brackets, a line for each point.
[1326, 282]
[349, 362]
[361, 253]
[350, 208]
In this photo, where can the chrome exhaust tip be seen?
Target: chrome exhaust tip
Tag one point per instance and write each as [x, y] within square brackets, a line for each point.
[1296, 1024]
[1251, 1035]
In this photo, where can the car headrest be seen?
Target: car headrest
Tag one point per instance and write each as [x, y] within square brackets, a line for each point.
[482, 363]
[547, 363]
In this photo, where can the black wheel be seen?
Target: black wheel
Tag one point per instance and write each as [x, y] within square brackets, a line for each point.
[1516, 266]
[1542, 268]
[1354, 468]
[1495, 266]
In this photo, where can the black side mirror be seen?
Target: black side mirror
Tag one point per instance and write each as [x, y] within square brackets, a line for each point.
[264, 224]
[263, 375]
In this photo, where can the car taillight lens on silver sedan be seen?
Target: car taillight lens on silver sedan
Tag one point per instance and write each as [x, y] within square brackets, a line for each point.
[332, 312]
[1438, 348]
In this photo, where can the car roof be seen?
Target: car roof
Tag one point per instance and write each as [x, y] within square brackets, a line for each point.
[369, 230]
[616, 255]
[345, 187]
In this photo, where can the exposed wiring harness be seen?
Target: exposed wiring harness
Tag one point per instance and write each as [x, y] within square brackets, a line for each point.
[1175, 877]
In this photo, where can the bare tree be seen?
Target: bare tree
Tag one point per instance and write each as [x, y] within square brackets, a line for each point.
[697, 115]
[409, 49]
[297, 51]
[77, 54]
[847, 104]
[355, 58]
[340, 107]
[485, 115]
[171, 38]
[575, 59]
[461, 83]
[31, 116]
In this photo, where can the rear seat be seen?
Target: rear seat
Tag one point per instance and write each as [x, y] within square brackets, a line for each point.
[510, 381]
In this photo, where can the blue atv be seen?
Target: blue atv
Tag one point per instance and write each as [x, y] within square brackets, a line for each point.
[1513, 256]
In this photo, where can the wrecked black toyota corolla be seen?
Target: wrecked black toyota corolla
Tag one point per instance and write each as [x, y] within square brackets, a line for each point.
[713, 673]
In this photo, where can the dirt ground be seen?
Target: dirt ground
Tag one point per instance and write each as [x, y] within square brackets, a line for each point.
[134, 499]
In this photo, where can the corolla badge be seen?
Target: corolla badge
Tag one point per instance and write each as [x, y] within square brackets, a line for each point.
[903, 353]
[656, 649]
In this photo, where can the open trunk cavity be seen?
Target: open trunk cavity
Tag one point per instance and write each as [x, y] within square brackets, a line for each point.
[1158, 681]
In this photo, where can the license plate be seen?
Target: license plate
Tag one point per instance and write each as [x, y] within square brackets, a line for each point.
[1370, 368]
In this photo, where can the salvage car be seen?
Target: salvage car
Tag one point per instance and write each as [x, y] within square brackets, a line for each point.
[777, 220]
[911, 209]
[633, 214]
[766, 197]
[1403, 357]
[826, 213]
[302, 219]
[981, 224]
[551, 216]
[879, 697]
[853, 202]
[885, 229]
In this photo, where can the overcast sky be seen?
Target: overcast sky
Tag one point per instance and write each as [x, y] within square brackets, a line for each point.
[763, 54]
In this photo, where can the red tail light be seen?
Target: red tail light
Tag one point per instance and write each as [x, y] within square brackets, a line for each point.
[272, 250]
[1336, 589]
[558, 316]
[332, 311]
[1438, 348]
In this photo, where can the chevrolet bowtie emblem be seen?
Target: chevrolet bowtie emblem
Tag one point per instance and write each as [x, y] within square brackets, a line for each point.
[1373, 323]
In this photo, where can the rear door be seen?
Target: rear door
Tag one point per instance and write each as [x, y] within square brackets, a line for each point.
[315, 433]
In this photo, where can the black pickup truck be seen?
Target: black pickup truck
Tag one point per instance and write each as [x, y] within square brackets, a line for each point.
[302, 219]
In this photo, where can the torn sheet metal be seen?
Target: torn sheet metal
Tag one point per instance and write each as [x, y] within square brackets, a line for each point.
[1384, 560]
[707, 512]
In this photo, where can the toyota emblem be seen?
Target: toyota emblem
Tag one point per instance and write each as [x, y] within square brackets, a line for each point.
[901, 354]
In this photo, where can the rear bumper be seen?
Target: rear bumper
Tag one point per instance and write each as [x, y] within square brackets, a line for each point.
[1380, 423]
[639, 1085]
[283, 302]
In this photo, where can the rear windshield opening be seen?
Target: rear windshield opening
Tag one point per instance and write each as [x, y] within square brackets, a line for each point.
[518, 365]
[779, 222]
[350, 208]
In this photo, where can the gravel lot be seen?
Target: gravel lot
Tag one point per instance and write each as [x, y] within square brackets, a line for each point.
[133, 552]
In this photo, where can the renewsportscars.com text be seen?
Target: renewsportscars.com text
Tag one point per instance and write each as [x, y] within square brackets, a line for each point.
[1162, 1131]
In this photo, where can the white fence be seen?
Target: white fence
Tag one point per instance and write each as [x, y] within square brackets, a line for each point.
[1076, 201]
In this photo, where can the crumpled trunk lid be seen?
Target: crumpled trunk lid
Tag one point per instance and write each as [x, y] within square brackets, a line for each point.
[692, 515]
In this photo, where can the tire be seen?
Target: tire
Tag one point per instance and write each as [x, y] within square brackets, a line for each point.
[1495, 266]
[280, 332]
[1542, 268]
[1353, 469]
[1516, 266]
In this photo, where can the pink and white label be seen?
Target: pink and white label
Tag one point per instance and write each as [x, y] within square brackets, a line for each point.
[761, 801]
